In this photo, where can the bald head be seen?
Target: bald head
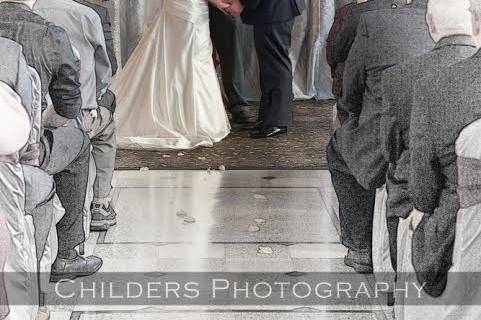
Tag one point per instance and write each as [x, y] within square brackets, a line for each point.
[448, 18]
[14, 122]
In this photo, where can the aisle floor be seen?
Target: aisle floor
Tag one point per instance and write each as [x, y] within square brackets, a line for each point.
[243, 221]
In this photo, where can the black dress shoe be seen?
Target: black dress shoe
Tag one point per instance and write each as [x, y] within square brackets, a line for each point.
[241, 117]
[69, 269]
[268, 132]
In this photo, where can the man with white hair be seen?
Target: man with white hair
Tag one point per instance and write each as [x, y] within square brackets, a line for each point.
[451, 28]
[444, 103]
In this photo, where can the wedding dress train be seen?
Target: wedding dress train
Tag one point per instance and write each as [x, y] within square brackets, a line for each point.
[168, 94]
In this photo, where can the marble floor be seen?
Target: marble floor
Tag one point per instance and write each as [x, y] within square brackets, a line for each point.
[222, 221]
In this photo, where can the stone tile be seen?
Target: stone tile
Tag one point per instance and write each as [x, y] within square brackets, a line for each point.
[222, 215]
[192, 265]
[224, 179]
[246, 258]
[169, 251]
[320, 251]
[330, 200]
[320, 265]
[60, 315]
[231, 316]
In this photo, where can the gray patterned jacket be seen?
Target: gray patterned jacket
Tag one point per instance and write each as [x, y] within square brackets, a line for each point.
[398, 86]
[381, 42]
[444, 104]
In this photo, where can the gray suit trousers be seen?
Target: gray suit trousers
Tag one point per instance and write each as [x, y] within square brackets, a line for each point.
[66, 157]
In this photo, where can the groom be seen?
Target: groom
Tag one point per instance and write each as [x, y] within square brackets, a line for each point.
[272, 21]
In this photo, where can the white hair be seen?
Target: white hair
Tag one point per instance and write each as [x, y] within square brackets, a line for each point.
[449, 17]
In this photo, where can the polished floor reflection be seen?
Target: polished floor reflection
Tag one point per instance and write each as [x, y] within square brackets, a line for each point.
[222, 221]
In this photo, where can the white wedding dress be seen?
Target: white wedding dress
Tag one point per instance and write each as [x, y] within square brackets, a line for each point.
[168, 94]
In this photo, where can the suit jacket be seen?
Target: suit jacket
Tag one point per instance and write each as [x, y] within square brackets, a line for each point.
[48, 50]
[385, 37]
[271, 11]
[107, 28]
[344, 30]
[108, 99]
[443, 104]
[398, 87]
[84, 27]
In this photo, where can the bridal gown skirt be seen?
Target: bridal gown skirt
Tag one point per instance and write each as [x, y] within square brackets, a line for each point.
[168, 94]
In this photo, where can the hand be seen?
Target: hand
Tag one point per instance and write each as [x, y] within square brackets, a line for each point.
[222, 5]
[236, 8]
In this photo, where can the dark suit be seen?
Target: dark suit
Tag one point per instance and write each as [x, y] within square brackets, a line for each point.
[341, 37]
[443, 105]
[356, 163]
[273, 21]
[224, 32]
[398, 86]
[108, 99]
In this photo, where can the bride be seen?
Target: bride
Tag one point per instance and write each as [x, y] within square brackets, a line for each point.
[168, 94]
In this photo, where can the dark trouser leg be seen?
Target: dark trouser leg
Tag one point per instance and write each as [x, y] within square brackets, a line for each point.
[67, 159]
[356, 205]
[224, 36]
[273, 42]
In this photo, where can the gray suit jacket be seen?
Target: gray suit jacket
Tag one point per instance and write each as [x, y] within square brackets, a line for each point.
[398, 86]
[48, 50]
[444, 103]
[381, 42]
[107, 27]
[84, 27]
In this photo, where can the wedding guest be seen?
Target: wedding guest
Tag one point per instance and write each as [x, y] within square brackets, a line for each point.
[341, 37]
[441, 183]
[450, 26]
[14, 133]
[273, 22]
[224, 31]
[84, 27]
[64, 150]
[356, 164]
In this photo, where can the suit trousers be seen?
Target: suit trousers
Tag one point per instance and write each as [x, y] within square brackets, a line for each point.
[66, 157]
[224, 32]
[356, 204]
[273, 42]
[101, 131]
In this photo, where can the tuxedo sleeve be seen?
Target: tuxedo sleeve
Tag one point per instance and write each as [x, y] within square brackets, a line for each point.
[252, 4]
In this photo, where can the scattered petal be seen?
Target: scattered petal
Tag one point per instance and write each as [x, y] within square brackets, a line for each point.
[144, 169]
[181, 214]
[202, 158]
[265, 250]
[189, 220]
[260, 196]
[260, 221]
[253, 228]
[166, 156]
[221, 168]
[180, 154]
